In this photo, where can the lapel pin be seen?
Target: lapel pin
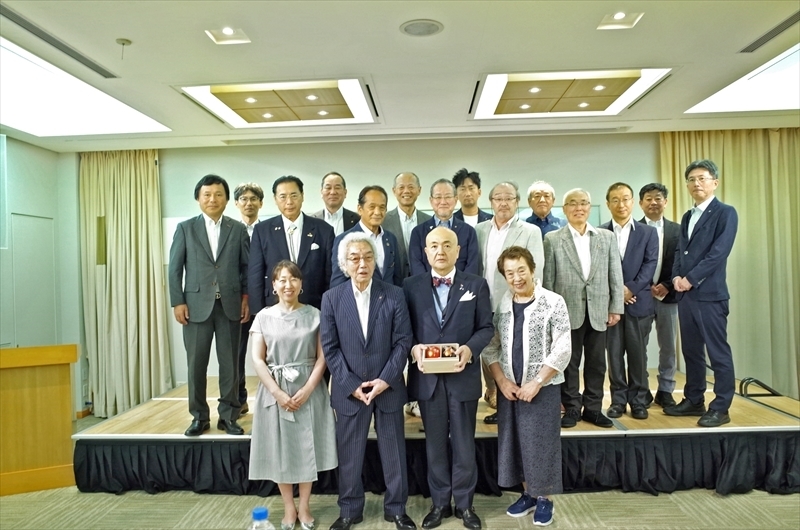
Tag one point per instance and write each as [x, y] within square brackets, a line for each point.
[461, 287]
[277, 228]
[309, 235]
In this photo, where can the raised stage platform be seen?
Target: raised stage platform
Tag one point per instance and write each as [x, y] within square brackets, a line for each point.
[145, 449]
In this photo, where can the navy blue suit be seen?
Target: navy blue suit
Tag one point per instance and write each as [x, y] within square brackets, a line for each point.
[469, 258]
[392, 272]
[482, 216]
[268, 246]
[703, 310]
[352, 360]
[449, 402]
[629, 336]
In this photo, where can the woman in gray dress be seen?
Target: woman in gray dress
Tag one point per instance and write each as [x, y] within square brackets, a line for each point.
[531, 348]
[293, 425]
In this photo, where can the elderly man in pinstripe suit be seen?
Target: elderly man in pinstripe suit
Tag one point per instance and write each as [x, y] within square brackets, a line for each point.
[366, 337]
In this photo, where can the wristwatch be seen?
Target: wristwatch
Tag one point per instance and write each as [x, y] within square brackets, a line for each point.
[539, 379]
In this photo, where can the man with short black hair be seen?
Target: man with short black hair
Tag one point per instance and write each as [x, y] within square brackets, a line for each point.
[468, 191]
[334, 191]
[699, 275]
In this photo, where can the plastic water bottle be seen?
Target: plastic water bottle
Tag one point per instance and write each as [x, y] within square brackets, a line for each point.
[260, 519]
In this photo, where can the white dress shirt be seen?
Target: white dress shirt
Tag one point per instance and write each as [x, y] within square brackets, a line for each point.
[407, 223]
[293, 241]
[494, 247]
[697, 211]
[336, 220]
[250, 227]
[212, 230]
[442, 291]
[362, 304]
[623, 234]
[583, 246]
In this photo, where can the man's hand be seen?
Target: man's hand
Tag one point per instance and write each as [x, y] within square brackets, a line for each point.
[628, 295]
[377, 385]
[464, 355]
[181, 312]
[245, 310]
[613, 318]
[659, 291]
[681, 284]
[418, 353]
[359, 394]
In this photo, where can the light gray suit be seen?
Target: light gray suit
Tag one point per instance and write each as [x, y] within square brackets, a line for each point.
[594, 298]
[391, 223]
[520, 234]
[209, 315]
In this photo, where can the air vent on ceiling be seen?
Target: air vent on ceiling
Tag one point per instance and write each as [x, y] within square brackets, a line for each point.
[54, 42]
[771, 34]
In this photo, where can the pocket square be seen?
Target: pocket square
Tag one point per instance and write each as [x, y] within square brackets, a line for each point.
[314, 246]
[467, 297]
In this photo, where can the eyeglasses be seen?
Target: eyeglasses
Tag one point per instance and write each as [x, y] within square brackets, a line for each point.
[575, 204]
[692, 180]
[442, 198]
[617, 202]
[253, 199]
[355, 260]
[284, 198]
[503, 200]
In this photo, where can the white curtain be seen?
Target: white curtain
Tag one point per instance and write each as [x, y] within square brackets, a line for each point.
[760, 177]
[125, 307]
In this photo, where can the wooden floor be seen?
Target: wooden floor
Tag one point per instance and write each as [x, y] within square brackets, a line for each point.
[167, 416]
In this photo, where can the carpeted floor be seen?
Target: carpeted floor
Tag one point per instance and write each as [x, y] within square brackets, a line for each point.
[68, 508]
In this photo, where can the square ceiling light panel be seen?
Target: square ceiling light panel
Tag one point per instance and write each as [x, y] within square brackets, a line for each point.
[773, 86]
[563, 94]
[259, 105]
[42, 100]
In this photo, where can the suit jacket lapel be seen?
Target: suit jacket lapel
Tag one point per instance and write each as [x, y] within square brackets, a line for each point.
[594, 253]
[514, 231]
[457, 290]
[376, 299]
[202, 236]
[710, 209]
[350, 308]
[572, 252]
[225, 229]
[306, 238]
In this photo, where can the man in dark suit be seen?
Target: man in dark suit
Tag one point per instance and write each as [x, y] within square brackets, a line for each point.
[372, 209]
[294, 236]
[707, 234]
[249, 198]
[210, 253]
[443, 202]
[334, 192]
[582, 264]
[366, 337]
[403, 219]
[447, 305]
[627, 341]
[468, 191]
[652, 201]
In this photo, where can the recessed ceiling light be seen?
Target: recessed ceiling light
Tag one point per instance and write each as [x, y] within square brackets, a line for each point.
[227, 35]
[535, 90]
[598, 88]
[267, 115]
[323, 113]
[421, 27]
[583, 105]
[29, 103]
[250, 100]
[619, 16]
[312, 97]
[525, 106]
[620, 20]
[229, 31]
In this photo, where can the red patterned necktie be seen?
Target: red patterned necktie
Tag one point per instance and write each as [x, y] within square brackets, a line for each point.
[442, 281]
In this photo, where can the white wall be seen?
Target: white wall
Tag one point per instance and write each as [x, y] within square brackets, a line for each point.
[592, 162]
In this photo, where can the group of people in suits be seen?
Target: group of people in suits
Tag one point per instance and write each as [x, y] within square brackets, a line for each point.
[386, 283]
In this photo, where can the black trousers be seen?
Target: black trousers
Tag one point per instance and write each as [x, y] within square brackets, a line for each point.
[589, 344]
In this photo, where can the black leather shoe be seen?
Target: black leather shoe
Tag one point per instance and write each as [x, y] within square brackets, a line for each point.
[469, 518]
[714, 418]
[570, 418]
[638, 412]
[685, 408]
[664, 399]
[596, 417]
[344, 523]
[435, 516]
[230, 427]
[197, 428]
[490, 419]
[615, 410]
[401, 522]
[245, 409]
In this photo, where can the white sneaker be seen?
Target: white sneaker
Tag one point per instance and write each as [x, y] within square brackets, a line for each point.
[412, 409]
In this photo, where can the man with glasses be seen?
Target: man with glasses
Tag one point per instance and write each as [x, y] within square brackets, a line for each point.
[468, 191]
[305, 240]
[443, 202]
[541, 197]
[582, 264]
[627, 341]
[652, 201]
[403, 219]
[707, 234]
[249, 198]
[334, 192]
[494, 236]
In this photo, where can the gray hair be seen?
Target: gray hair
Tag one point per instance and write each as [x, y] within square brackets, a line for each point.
[444, 181]
[575, 191]
[344, 245]
[505, 183]
[416, 178]
[541, 185]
